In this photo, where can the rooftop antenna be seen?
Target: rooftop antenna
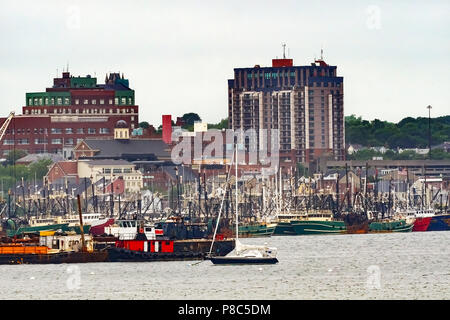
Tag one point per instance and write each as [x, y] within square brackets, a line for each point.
[321, 53]
[284, 50]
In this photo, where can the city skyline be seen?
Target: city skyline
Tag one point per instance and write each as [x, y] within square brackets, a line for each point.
[178, 57]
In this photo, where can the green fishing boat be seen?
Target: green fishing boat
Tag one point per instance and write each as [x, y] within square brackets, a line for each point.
[318, 223]
[64, 227]
[256, 230]
[36, 229]
[311, 226]
[284, 228]
[390, 226]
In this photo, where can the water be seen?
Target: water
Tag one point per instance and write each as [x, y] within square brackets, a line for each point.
[372, 266]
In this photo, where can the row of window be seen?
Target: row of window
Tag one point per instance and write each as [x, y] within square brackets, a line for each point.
[59, 131]
[68, 141]
[79, 111]
[117, 170]
[66, 101]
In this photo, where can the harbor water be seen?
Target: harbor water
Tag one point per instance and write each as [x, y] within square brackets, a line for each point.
[371, 266]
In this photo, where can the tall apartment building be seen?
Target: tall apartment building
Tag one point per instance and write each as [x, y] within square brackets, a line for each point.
[304, 102]
[73, 109]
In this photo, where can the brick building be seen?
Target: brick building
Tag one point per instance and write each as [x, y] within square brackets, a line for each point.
[304, 102]
[73, 109]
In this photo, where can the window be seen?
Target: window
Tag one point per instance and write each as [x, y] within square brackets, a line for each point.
[40, 141]
[56, 131]
[117, 170]
[123, 100]
[102, 101]
[8, 142]
[59, 101]
[66, 101]
[57, 141]
[127, 170]
[46, 101]
[91, 130]
[52, 101]
[77, 101]
[85, 101]
[104, 130]
[110, 101]
[69, 130]
[80, 130]
[116, 100]
[94, 101]
[69, 141]
[129, 101]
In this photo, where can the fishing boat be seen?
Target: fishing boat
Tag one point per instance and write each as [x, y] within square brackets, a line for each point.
[390, 225]
[319, 222]
[421, 218]
[139, 241]
[259, 229]
[439, 222]
[52, 248]
[242, 254]
[284, 226]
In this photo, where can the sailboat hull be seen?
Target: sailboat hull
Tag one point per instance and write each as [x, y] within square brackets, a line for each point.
[243, 260]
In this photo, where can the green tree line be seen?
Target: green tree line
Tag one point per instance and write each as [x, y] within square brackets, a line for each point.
[11, 175]
[408, 133]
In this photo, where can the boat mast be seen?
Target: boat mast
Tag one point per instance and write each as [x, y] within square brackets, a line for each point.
[236, 168]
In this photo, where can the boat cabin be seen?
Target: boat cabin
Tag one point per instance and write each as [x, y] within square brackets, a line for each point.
[59, 243]
[129, 230]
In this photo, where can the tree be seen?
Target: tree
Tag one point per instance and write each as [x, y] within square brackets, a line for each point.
[14, 155]
[144, 124]
[39, 168]
[190, 118]
[223, 124]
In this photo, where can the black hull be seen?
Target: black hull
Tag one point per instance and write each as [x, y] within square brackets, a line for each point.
[54, 258]
[183, 250]
[126, 255]
[232, 260]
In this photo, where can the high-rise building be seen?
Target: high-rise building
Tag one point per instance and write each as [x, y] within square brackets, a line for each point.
[74, 108]
[304, 102]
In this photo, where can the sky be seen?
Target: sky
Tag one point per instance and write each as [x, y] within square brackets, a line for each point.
[178, 55]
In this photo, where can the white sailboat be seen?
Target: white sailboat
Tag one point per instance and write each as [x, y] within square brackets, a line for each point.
[243, 253]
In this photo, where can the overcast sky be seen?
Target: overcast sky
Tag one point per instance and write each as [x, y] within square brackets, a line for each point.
[394, 55]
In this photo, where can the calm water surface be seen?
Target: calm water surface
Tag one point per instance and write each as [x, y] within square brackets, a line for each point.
[373, 266]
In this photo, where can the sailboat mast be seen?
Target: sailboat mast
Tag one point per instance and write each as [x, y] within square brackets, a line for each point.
[237, 226]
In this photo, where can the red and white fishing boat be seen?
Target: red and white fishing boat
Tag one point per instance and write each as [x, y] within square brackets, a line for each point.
[422, 218]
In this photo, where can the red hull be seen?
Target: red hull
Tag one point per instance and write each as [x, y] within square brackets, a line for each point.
[421, 224]
[100, 229]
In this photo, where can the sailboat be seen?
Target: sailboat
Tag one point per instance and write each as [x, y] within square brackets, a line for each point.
[243, 253]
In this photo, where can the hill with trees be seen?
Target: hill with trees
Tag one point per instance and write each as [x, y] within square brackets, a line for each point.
[408, 133]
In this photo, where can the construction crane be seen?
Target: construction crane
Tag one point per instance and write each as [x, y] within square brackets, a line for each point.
[5, 125]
